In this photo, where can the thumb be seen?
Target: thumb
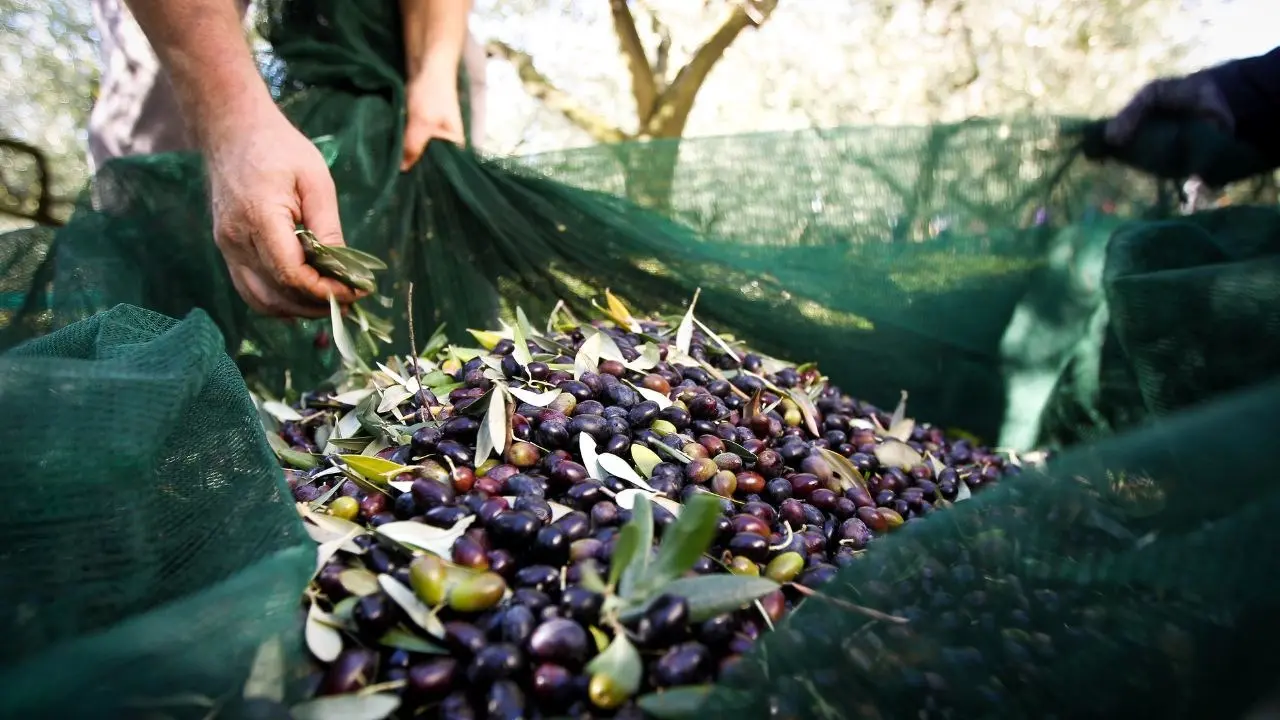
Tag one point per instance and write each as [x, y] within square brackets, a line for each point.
[318, 199]
[416, 135]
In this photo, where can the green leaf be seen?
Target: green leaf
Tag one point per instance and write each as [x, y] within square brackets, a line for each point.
[901, 426]
[587, 358]
[375, 469]
[521, 351]
[478, 407]
[712, 595]
[684, 333]
[437, 342]
[426, 537]
[644, 458]
[740, 451]
[621, 662]
[718, 340]
[493, 427]
[280, 411]
[636, 564]
[676, 703]
[619, 468]
[289, 456]
[624, 551]
[401, 640]
[672, 453]
[341, 339]
[535, 399]
[415, 609]
[266, 675]
[844, 468]
[323, 640]
[685, 540]
[347, 707]
[895, 453]
[591, 579]
[807, 409]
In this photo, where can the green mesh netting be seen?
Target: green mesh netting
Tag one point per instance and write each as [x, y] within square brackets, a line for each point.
[1018, 291]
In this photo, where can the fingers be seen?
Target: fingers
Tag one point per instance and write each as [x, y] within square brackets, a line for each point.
[265, 298]
[1120, 129]
[319, 202]
[1194, 95]
[281, 257]
[420, 131]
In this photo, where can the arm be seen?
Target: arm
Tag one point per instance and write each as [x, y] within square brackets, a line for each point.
[265, 178]
[435, 32]
[1251, 89]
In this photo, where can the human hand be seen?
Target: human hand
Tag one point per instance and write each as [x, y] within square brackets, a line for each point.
[434, 112]
[265, 179]
[1195, 94]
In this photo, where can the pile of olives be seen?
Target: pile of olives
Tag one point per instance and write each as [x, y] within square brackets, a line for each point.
[517, 622]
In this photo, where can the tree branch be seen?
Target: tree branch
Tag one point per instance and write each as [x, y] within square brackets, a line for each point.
[643, 87]
[663, 55]
[45, 201]
[540, 87]
[676, 101]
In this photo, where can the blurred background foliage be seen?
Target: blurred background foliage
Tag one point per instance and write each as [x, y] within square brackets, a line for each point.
[567, 73]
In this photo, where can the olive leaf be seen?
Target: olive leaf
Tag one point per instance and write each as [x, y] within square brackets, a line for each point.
[347, 265]
[587, 358]
[437, 342]
[266, 674]
[328, 495]
[895, 453]
[712, 595]
[394, 397]
[375, 469]
[478, 407]
[346, 427]
[357, 706]
[644, 458]
[326, 550]
[684, 541]
[619, 468]
[601, 640]
[635, 564]
[557, 510]
[289, 456]
[425, 537]
[677, 703]
[663, 401]
[521, 350]
[619, 312]
[609, 349]
[358, 581]
[535, 399]
[323, 640]
[684, 333]
[807, 409]
[649, 358]
[844, 468]
[718, 340]
[415, 609]
[664, 449]
[621, 663]
[395, 377]
[341, 339]
[753, 405]
[624, 552]
[401, 640]
[487, 339]
[627, 498]
[280, 411]
[587, 448]
[740, 451]
[962, 490]
[901, 426]
[370, 421]
[590, 577]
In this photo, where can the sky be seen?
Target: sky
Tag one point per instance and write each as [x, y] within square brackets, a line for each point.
[1238, 28]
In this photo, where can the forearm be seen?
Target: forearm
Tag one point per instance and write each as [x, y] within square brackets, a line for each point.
[1251, 89]
[434, 34]
[203, 48]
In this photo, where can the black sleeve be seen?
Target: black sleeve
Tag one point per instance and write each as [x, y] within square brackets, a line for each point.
[1251, 88]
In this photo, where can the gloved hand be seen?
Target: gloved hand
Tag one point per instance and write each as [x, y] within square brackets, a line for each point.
[1194, 95]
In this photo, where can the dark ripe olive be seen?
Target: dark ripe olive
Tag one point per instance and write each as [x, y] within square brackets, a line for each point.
[611, 412]
[522, 485]
[696, 374]
[793, 451]
[617, 444]
[642, 414]
[775, 605]
[494, 662]
[891, 517]
[535, 600]
[500, 473]
[724, 483]
[511, 367]
[860, 496]
[372, 504]
[885, 498]
[329, 582]
[719, 388]
[729, 431]
[429, 493]
[792, 512]
[434, 679]
[700, 471]
[845, 556]
[750, 545]
[803, 484]
[612, 367]
[844, 508]
[713, 445]
[750, 482]
[854, 533]
[587, 407]
[619, 395]
[404, 506]
[551, 545]
[673, 441]
[517, 625]
[378, 561]
[460, 427]
[872, 519]
[818, 575]
[816, 465]
[455, 451]
[703, 407]
[864, 462]
[586, 548]
[382, 518]
[535, 506]
[704, 566]
[835, 438]
[724, 529]
[745, 523]
[505, 701]
[538, 577]
[823, 499]
[778, 490]
[656, 383]
[732, 463]
[425, 439]
[594, 425]
[913, 497]
[375, 614]
[553, 434]
[901, 507]
[769, 463]
[717, 632]
[513, 530]
[306, 493]
[604, 514]
[553, 685]
[568, 473]
[762, 510]
[893, 479]
[665, 622]
[815, 542]
[702, 427]
[560, 641]
[581, 605]
[585, 494]
[456, 706]
[578, 390]
[469, 553]
[662, 519]
[445, 516]
[928, 490]
[575, 525]
[523, 455]
[353, 669]
[760, 427]
[677, 416]
[684, 664]
[491, 508]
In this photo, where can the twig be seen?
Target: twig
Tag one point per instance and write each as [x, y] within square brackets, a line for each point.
[873, 614]
[417, 370]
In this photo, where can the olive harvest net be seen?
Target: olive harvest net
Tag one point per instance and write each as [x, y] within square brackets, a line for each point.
[152, 563]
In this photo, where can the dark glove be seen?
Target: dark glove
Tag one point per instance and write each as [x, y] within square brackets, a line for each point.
[1193, 96]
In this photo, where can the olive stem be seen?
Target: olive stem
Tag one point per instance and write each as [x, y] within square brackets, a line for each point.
[388, 685]
[873, 614]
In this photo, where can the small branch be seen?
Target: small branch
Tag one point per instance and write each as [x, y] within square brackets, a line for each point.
[43, 213]
[971, 53]
[673, 105]
[643, 87]
[540, 86]
[869, 612]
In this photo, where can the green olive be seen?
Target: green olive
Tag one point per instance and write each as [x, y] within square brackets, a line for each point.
[662, 427]
[785, 567]
[743, 566]
[477, 593]
[604, 692]
[345, 507]
[427, 576]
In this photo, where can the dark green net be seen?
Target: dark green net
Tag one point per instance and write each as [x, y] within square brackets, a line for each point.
[1018, 289]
